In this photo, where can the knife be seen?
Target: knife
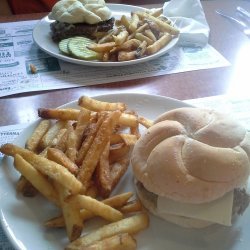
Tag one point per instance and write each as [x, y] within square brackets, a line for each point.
[244, 13]
[242, 25]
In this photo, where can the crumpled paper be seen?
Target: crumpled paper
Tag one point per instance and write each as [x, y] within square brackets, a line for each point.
[189, 18]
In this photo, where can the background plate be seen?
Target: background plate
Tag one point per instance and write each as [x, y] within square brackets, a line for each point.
[42, 37]
[22, 218]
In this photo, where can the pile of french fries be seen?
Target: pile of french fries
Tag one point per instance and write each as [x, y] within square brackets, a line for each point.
[74, 157]
[142, 34]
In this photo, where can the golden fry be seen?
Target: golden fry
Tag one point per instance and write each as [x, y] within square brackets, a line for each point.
[51, 134]
[142, 38]
[25, 187]
[126, 56]
[97, 207]
[121, 37]
[71, 213]
[117, 242]
[55, 171]
[101, 47]
[134, 22]
[58, 114]
[34, 140]
[95, 105]
[131, 207]
[39, 181]
[59, 157]
[130, 225]
[159, 44]
[163, 25]
[89, 163]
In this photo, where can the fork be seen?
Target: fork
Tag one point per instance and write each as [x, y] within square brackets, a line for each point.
[243, 26]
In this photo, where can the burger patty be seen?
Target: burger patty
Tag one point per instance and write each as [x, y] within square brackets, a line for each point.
[60, 31]
[241, 198]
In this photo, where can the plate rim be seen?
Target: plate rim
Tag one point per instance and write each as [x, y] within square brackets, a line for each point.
[73, 60]
[3, 223]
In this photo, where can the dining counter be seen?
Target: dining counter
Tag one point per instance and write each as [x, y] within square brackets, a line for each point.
[225, 37]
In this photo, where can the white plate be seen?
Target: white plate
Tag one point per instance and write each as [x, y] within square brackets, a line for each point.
[22, 218]
[42, 37]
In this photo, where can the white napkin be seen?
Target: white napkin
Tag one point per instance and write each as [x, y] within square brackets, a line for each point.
[189, 17]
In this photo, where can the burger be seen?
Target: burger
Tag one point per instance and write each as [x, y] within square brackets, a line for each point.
[191, 167]
[79, 18]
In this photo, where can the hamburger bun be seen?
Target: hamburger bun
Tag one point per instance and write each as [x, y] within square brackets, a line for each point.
[192, 155]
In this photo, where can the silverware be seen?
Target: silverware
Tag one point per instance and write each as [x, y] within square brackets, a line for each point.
[243, 13]
[242, 25]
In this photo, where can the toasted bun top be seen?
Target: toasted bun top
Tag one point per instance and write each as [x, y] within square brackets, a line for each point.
[192, 155]
[80, 11]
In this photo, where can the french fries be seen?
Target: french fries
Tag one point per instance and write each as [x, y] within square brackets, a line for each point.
[75, 158]
[142, 34]
[131, 225]
[117, 242]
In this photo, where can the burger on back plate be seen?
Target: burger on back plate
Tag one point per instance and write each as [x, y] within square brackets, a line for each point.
[191, 167]
[79, 18]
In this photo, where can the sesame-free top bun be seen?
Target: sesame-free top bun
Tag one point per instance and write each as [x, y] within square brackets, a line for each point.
[192, 155]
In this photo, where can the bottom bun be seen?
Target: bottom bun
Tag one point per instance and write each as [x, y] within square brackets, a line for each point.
[149, 200]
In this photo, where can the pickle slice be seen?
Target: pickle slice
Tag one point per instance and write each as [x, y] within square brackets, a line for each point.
[63, 46]
[77, 47]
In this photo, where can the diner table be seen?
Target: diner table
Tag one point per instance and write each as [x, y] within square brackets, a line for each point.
[225, 37]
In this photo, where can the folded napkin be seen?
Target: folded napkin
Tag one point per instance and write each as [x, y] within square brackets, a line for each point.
[189, 17]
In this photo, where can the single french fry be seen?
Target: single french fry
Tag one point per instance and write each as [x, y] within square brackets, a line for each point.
[86, 144]
[39, 181]
[159, 44]
[25, 187]
[142, 38]
[150, 35]
[130, 225]
[140, 51]
[50, 168]
[118, 151]
[58, 114]
[57, 140]
[97, 207]
[119, 168]
[95, 105]
[71, 144]
[128, 120]
[121, 37]
[140, 29]
[145, 122]
[34, 140]
[89, 163]
[134, 22]
[51, 134]
[117, 242]
[126, 56]
[163, 25]
[131, 207]
[155, 12]
[59, 157]
[116, 201]
[71, 213]
[125, 21]
[102, 173]
[129, 45]
[101, 47]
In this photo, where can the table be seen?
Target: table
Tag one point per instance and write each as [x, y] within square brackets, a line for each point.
[224, 37]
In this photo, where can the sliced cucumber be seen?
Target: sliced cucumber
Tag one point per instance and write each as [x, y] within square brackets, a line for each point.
[77, 47]
[63, 46]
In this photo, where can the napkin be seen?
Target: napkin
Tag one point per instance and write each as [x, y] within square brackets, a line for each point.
[189, 17]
